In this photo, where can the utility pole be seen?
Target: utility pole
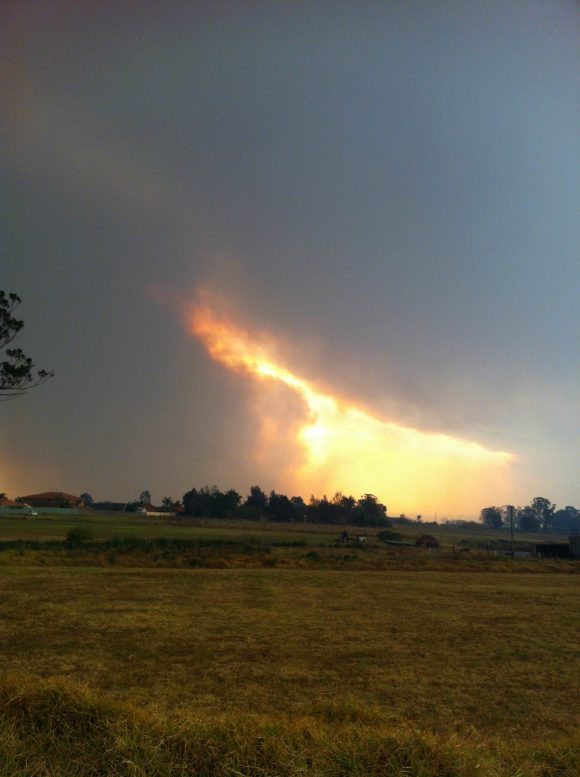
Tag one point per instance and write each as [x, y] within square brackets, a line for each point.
[510, 511]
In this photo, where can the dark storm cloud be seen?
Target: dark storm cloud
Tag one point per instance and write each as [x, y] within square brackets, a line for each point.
[389, 189]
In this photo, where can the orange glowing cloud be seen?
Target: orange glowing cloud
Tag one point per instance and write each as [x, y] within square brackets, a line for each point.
[344, 447]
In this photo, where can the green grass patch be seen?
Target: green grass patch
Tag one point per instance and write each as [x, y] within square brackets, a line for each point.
[107, 527]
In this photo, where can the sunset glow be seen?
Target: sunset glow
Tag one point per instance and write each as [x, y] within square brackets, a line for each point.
[344, 447]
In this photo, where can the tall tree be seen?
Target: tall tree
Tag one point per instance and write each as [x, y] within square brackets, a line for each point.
[492, 517]
[190, 502]
[528, 520]
[280, 508]
[544, 509]
[371, 511]
[566, 521]
[211, 502]
[145, 497]
[257, 498]
[17, 373]
[299, 508]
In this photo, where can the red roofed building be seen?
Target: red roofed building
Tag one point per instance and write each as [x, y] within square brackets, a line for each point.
[52, 499]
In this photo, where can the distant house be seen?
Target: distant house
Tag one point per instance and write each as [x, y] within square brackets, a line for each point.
[152, 510]
[53, 499]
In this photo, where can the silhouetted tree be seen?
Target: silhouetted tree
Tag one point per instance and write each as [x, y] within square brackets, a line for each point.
[322, 510]
[299, 506]
[211, 502]
[566, 521]
[527, 519]
[280, 508]
[492, 517]
[371, 512]
[17, 373]
[257, 499]
[366, 511]
[224, 505]
[87, 499]
[346, 507]
[145, 497]
[189, 501]
[197, 502]
[544, 509]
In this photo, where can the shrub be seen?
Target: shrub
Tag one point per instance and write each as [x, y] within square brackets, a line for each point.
[426, 541]
[78, 535]
[386, 535]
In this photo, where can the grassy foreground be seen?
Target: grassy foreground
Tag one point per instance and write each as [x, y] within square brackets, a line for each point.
[54, 730]
[287, 672]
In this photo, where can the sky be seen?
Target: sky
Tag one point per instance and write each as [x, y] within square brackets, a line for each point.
[314, 247]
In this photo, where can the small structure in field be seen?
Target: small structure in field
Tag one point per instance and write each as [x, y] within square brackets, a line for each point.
[575, 546]
[426, 541]
[551, 550]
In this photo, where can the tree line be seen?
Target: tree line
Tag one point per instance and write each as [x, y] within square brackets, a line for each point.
[210, 502]
[539, 516]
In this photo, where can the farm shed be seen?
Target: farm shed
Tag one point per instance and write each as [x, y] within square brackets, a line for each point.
[551, 550]
[575, 546]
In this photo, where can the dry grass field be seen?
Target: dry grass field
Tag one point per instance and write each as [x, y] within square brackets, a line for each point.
[288, 672]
